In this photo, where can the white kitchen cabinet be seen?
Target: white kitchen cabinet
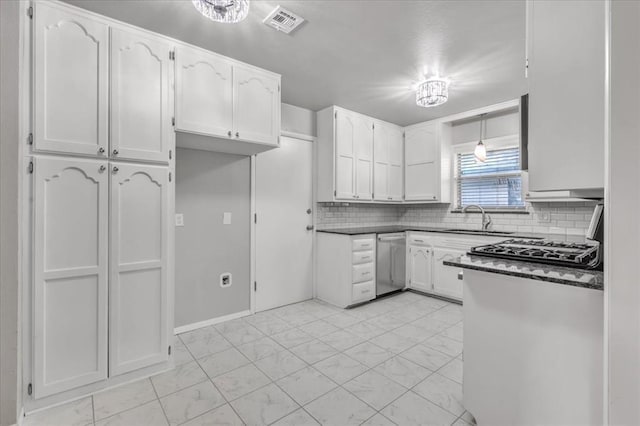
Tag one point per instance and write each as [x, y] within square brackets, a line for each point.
[346, 272]
[427, 172]
[566, 44]
[139, 229]
[141, 126]
[420, 268]
[256, 105]
[70, 213]
[71, 78]
[446, 279]
[345, 155]
[388, 155]
[236, 104]
[204, 93]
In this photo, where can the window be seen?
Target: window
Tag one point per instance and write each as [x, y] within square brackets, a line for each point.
[494, 184]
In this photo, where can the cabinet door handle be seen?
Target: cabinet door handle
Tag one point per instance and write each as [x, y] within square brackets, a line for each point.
[102, 168]
[237, 134]
[101, 150]
[115, 169]
[366, 273]
[309, 227]
[115, 152]
[229, 133]
[460, 275]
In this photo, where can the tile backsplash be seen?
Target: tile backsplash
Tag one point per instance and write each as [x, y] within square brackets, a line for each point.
[567, 218]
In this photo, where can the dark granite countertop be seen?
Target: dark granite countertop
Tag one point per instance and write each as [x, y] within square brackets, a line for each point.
[402, 228]
[585, 278]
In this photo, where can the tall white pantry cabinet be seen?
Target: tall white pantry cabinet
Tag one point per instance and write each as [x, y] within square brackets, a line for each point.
[102, 196]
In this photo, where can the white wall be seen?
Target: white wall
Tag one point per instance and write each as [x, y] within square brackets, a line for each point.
[622, 286]
[9, 210]
[207, 185]
[298, 120]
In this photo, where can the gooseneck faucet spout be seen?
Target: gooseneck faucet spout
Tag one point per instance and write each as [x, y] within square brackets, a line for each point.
[486, 219]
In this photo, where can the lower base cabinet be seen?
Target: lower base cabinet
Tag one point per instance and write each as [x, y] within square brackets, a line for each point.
[346, 269]
[420, 263]
[447, 280]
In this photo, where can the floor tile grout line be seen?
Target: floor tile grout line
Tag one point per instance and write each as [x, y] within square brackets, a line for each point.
[160, 402]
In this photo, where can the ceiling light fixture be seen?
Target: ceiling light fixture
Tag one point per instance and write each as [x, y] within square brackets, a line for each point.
[481, 151]
[432, 92]
[227, 11]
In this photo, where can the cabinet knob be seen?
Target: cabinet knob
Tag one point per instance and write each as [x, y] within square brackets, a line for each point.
[101, 150]
[309, 227]
[229, 133]
[308, 211]
[115, 169]
[237, 134]
[102, 168]
[434, 197]
[115, 152]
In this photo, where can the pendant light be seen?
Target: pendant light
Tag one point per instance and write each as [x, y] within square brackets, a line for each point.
[481, 151]
[227, 11]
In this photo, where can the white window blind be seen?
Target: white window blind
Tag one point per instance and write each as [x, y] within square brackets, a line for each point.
[494, 184]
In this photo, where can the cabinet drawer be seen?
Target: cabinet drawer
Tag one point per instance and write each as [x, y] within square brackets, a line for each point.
[362, 244]
[363, 292]
[362, 272]
[418, 240]
[362, 257]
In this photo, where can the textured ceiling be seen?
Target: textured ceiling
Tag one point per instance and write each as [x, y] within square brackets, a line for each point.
[361, 55]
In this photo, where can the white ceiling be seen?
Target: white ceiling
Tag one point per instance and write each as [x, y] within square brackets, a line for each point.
[361, 55]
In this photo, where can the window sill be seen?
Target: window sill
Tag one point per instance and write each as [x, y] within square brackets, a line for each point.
[522, 210]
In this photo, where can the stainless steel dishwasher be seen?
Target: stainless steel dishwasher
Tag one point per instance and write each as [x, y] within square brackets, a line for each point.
[391, 263]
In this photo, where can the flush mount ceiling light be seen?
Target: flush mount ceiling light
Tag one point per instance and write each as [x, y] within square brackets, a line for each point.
[227, 11]
[481, 151]
[432, 92]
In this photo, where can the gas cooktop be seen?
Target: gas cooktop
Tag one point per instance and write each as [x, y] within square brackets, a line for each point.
[575, 255]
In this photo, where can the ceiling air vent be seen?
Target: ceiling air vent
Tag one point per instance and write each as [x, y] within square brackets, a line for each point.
[283, 20]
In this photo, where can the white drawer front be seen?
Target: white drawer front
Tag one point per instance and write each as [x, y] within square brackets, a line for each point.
[363, 244]
[362, 257]
[363, 292]
[362, 272]
[418, 240]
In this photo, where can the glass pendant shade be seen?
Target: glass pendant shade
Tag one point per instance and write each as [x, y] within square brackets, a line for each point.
[432, 93]
[227, 11]
[481, 151]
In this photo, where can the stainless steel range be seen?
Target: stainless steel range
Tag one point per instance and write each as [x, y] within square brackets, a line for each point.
[576, 255]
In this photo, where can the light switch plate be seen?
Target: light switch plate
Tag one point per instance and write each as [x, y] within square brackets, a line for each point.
[179, 219]
[544, 217]
[226, 219]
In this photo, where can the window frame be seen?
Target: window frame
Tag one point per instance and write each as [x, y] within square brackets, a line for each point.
[502, 142]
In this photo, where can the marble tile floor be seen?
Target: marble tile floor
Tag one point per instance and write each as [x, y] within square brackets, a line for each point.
[394, 361]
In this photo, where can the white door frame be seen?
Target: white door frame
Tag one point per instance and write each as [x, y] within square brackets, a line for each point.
[252, 275]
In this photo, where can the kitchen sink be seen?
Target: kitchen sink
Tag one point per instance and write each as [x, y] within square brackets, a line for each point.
[478, 231]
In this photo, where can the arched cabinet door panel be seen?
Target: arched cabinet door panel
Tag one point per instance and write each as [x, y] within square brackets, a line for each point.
[204, 93]
[256, 106]
[445, 278]
[70, 207]
[140, 94]
[420, 268]
[138, 277]
[70, 81]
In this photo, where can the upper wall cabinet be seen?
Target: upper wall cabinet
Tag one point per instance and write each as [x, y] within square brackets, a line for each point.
[345, 155]
[256, 106]
[140, 96]
[204, 93]
[388, 155]
[428, 162]
[71, 77]
[222, 105]
[566, 75]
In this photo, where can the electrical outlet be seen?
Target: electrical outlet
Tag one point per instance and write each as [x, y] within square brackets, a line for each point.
[179, 219]
[225, 279]
[544, 217]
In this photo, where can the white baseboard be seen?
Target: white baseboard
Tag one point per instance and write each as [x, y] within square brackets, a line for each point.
[212, 321]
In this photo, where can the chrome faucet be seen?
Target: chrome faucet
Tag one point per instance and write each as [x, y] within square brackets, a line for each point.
[486, 219]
